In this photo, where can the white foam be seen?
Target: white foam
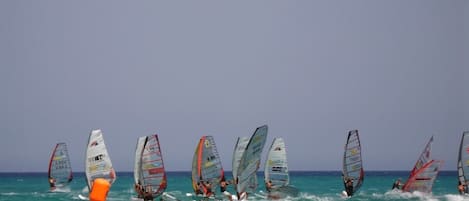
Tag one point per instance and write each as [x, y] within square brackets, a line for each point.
[451, 197]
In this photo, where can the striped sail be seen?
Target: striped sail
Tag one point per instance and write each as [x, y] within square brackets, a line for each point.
[98, 163]
[250, 161]
[276, 166]
[206, 164]
[423, 160]
[152, 166]
[138, 159]
[424, 177]
[59, 165]
[352, 161]
[463, 160]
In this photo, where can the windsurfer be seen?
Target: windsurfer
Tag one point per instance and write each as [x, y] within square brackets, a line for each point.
[223, 185]
[207, 188]
[147, 196]
[349, 187]
[268, 185]
[52, 183]
[462, 188]
[397, 184]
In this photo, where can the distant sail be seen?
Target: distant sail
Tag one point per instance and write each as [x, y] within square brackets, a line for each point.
[352, 161]
[98, 163]
[152, 166]
[422, 180]
[238, 151]
[59, 165]
[138, 177]
[423, 174]
[463, 160]
[250, 161]
[206, 164]
[276, 166]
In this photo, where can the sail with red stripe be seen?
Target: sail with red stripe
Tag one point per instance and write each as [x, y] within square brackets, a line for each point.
[424, 173]
[352, 160]
[59, 166]
[422, 180]
[206, 165]
[152, 167]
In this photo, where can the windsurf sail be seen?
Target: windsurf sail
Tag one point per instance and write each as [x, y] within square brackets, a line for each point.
[422, 180]
[352, 161]
[238, 151]
[463, 160]
[206, 165]
[246, 180]
[138, 160]
[152, 167]
[276, 166]
[98, 163]
[60, 169]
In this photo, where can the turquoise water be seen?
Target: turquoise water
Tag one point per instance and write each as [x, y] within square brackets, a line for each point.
[322, 185]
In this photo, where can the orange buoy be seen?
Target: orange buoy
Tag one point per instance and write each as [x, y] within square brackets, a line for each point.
[99, 190]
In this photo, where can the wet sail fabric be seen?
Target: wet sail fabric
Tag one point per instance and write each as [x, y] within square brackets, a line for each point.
[59, 165]
[276, 166]
[424, 177]
[352, 161]
[206, 164]
[98, 163]
[138, 159]
[152, 167]
[250, 161]
[463, 160]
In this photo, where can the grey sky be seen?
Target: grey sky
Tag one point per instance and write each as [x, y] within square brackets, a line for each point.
[397, 71]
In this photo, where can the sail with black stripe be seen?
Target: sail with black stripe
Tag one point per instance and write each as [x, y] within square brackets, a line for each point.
[463, 160]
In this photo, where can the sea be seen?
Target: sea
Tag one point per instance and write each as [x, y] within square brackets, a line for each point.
[313, 185]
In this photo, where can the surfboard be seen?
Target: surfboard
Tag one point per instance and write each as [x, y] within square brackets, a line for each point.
[352, 161]
[206, 164]
[59, 166]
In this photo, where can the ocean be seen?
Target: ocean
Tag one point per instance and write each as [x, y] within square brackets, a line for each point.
[313, 185]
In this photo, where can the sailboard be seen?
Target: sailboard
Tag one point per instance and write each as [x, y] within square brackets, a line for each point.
[352, 160]
[463, 161]
[153, 174]
[60, 169]
[206, 165]
[98, 163]
[424, 173]
[246, 179]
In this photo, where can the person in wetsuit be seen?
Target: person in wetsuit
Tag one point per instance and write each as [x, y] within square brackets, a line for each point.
[397, 184]
[349, 187]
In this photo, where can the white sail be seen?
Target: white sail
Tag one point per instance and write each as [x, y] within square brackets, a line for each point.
[463, 161]
[276, 166]
[59, 165]
[98, 163]
[238, 151]
[250, 161]
[138, 159]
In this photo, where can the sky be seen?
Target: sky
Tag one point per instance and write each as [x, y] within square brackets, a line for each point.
[397, 71]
